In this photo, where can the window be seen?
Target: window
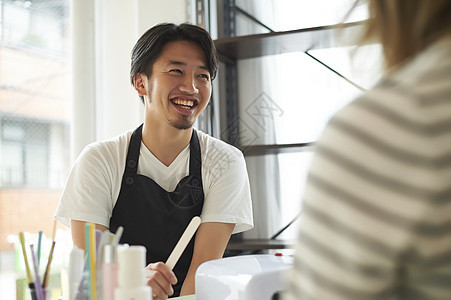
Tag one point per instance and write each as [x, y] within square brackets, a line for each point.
[34, 125]
[34, 102]
[284, 99]
[33, 153]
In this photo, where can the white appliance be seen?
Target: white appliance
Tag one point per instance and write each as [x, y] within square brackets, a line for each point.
[247, 277]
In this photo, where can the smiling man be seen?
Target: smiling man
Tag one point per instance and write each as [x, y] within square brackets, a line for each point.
[153, 180]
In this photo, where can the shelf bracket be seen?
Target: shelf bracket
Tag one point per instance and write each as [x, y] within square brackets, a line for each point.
[334, 71]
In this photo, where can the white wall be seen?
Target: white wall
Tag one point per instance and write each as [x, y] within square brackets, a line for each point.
[105, 103]
[83, 74]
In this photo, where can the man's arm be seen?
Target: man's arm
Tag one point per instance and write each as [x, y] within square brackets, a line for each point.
[210, 243]
[78, 232]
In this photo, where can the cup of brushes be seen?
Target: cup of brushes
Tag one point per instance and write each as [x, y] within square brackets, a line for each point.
[39, 285]
[107, 269]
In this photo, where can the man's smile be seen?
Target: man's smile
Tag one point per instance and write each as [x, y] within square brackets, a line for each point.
[185, 102]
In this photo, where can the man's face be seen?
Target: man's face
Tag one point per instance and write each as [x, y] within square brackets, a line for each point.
[179, 87]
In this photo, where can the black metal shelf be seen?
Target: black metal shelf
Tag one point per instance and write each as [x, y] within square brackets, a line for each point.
[261, 244]
[255, 150]
[300, 40]
[232, 49]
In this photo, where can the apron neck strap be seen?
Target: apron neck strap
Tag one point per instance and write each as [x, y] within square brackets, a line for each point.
[131, 166]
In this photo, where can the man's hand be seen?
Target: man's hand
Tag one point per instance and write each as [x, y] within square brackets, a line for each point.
[160, 278]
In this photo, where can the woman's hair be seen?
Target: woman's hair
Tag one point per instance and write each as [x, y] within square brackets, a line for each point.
[150, 45]
[406, 27]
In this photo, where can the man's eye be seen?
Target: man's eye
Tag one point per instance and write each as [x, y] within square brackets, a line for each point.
[205, 76]
[175, 71]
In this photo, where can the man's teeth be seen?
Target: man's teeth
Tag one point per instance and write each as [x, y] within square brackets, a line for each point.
[188, 103]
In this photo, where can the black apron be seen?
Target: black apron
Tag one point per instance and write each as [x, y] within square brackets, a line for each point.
[153, 217]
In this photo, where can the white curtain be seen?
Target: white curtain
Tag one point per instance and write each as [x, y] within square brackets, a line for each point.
[257, 111]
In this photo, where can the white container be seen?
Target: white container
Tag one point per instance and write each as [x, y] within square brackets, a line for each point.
[247, 277]
[110, 268]
[131, 274]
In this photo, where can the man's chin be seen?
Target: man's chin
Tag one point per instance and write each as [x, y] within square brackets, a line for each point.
[181, 125]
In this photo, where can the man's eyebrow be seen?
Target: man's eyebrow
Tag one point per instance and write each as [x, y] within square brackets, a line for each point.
[177, 63]
[180, 63]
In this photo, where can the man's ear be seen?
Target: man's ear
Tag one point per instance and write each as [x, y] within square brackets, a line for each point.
[140, 81]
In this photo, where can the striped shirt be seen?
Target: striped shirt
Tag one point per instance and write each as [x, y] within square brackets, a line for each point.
[376, 218]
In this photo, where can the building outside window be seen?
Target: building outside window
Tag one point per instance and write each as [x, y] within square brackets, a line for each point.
[35, 112]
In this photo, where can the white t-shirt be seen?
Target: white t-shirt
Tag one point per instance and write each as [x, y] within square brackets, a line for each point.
[95, 180]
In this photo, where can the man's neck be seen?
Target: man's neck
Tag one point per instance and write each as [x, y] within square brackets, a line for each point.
[165, 142]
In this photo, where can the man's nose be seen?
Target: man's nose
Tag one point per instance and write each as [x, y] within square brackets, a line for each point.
[189, 84]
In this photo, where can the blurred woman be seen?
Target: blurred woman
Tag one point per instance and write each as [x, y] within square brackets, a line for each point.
[376, 218]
